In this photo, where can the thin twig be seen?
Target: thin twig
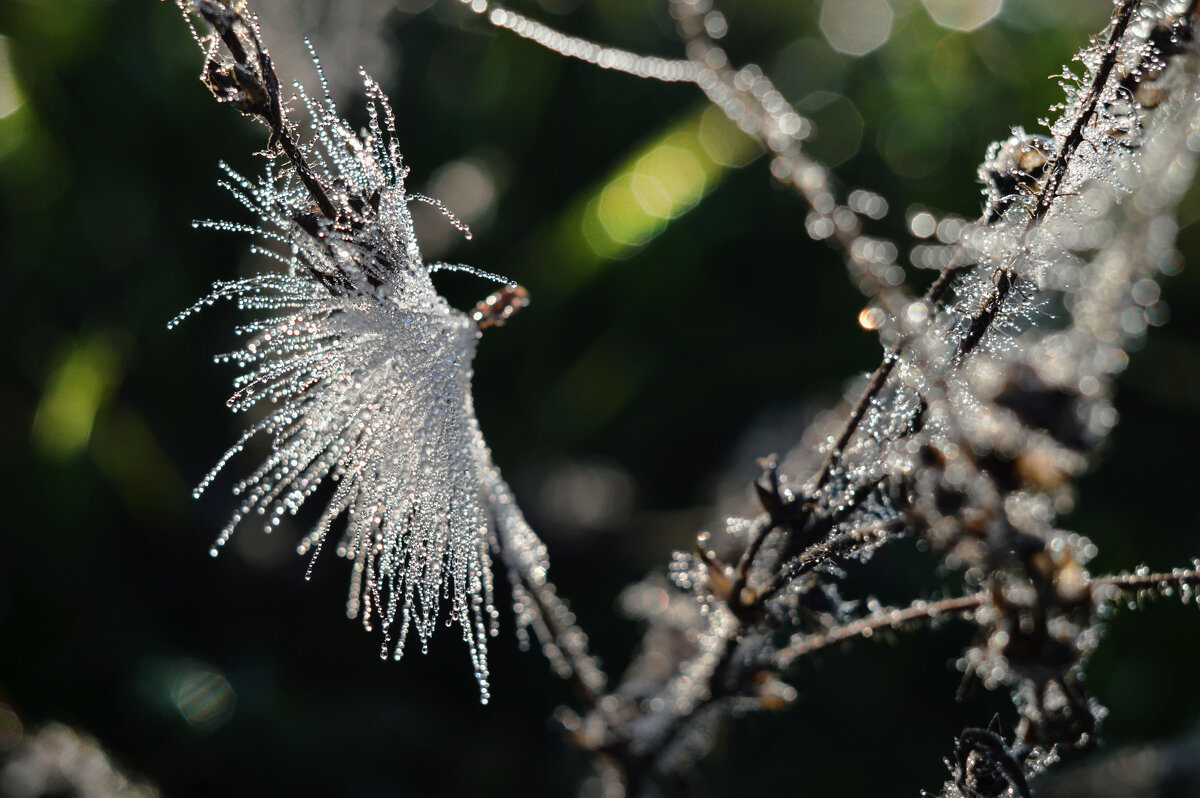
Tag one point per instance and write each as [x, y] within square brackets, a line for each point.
[884, 619]
[760, 112]
[1054, 175]
[820, 553]
[253, 87]
[924, 610]
[1151, 581]
[1056, 170]
[777, 127]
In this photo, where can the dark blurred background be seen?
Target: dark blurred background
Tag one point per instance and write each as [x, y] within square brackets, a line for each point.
[678, 329]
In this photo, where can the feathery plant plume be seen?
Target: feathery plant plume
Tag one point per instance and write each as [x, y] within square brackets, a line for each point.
[363, 369]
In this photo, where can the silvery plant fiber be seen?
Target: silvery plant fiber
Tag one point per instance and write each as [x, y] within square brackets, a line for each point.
[359, 372]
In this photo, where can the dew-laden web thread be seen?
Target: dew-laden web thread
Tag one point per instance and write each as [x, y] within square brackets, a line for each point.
[666, 70]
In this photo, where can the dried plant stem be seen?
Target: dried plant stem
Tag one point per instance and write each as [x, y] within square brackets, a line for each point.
[753, 103]
[253, 86]
[1056, 171]
[1151, 581]
[897, 618]
[804, 645]
[791, 514]
[746, 97]
[857, 413]
[1055, 174]
[817, 554]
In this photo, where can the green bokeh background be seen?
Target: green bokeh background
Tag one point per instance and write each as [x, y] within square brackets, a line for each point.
[654, 366]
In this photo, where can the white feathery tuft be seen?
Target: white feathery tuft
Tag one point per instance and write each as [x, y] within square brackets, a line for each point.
[363, 373]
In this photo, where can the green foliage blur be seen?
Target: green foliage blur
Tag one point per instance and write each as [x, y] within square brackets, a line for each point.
[661, 353]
